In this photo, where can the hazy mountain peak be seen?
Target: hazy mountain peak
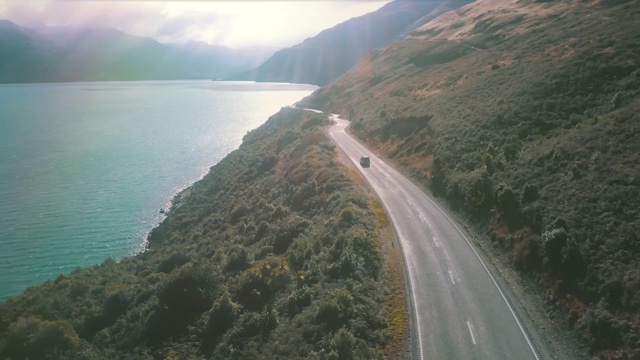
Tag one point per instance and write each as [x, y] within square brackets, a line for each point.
[324, 57]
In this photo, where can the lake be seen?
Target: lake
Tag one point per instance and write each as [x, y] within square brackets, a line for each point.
[86, 167]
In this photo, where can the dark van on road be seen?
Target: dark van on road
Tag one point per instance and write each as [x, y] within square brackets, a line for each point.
[365, 162]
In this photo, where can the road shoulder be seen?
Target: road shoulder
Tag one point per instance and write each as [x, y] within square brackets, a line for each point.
[396, 303]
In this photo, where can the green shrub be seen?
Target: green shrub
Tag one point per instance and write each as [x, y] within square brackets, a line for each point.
[554, 242]
[297, 300]
[354, 255]
[508, 205]
[251, 324]
[487, 159]
[604, 330]
[300, 252]
[528, 254]
[510, 151]
[114, 307]
[181, 299]
[471, 191]
[237, 259]
[291, 228]
[174, 261]
[337, 310]
[268, 162]
[34, 338]
[529, 193]
[221, 318]
[189, 292]
[343, 344]
[238, 212]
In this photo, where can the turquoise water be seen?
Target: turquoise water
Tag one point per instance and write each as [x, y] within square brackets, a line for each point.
[85, 167]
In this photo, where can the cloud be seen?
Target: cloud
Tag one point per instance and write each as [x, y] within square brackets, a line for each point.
[187, 26]
[239, 23]
[137, 18]
[121, 15]
[25, 13]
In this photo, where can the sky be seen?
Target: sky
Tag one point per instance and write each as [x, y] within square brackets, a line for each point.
[235, 24]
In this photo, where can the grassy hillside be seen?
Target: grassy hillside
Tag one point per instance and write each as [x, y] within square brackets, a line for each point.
[523, 116]
[274, 254]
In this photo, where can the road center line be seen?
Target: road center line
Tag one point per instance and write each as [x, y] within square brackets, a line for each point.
[451, 276]
[423, 219]
[435, 240]
[473, 338]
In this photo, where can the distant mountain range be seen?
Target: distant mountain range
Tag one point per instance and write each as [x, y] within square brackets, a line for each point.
[103, 54]
[60, 55]
[326, 56]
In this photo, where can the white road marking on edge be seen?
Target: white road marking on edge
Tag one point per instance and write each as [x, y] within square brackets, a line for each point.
[433, 236]
[495, 283]
[473, 338]
[451, 276]
[413, 294]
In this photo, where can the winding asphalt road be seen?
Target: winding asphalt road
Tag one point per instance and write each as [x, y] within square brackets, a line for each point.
[460, 310]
